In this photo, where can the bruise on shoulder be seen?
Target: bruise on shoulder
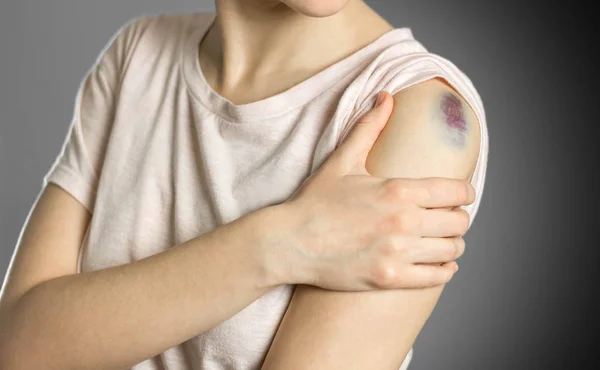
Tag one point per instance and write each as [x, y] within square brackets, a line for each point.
[452, 118]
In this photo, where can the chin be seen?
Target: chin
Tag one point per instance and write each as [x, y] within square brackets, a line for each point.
[316, 8]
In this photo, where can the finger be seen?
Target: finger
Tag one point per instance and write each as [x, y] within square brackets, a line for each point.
[353, 151]
[436, 192]
[436, 250]
[451, 264]
[440, 223]
[426, 276]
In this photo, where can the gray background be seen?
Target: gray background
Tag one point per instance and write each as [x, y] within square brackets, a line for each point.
[519, 300]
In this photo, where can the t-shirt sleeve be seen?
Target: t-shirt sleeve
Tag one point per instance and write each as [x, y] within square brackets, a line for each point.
[393, 74]
[77, 167]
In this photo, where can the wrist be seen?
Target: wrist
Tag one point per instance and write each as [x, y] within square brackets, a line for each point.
[275, 229]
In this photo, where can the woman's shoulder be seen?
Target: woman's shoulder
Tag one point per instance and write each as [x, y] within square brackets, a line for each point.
[402, 61]
[148, 39]
[168, 23]
[171, 21]
[159, 27]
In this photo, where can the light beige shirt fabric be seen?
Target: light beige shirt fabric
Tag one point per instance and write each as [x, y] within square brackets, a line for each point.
[159, 157]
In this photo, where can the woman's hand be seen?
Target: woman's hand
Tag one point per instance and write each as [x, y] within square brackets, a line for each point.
[348, 230]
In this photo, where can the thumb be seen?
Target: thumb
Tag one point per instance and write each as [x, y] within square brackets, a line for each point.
[355, 148]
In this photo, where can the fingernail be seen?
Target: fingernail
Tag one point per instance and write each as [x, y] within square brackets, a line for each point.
[455, 268]
[379, 98]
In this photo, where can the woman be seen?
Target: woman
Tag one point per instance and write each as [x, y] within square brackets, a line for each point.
[176, 225]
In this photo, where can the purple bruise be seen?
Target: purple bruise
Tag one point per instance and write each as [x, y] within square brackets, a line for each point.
[453, 115]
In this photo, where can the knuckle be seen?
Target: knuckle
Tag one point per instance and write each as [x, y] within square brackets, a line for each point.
[395, 221]
[395, 191]
[406, 222]
[391, 223]
[383, 275]
[389, 248]
[404, 248]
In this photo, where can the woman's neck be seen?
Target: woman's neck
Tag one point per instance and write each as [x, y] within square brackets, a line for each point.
[253, 41]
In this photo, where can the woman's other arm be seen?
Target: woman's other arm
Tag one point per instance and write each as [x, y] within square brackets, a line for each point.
[53, 318]
[431, 132]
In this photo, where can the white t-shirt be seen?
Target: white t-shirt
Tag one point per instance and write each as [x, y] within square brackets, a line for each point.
[159, 157]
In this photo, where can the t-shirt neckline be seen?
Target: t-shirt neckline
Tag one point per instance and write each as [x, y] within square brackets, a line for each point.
[280, 103]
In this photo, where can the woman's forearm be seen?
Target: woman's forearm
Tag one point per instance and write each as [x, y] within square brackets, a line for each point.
[119, 316]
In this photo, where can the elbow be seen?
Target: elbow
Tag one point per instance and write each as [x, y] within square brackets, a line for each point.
[9, 357]
[18, 360]
[18, 350]
[18, 355]
[12, 352]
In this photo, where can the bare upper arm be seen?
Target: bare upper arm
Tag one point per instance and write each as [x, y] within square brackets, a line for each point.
[322, 329]
[48, 246]
[432, 132]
